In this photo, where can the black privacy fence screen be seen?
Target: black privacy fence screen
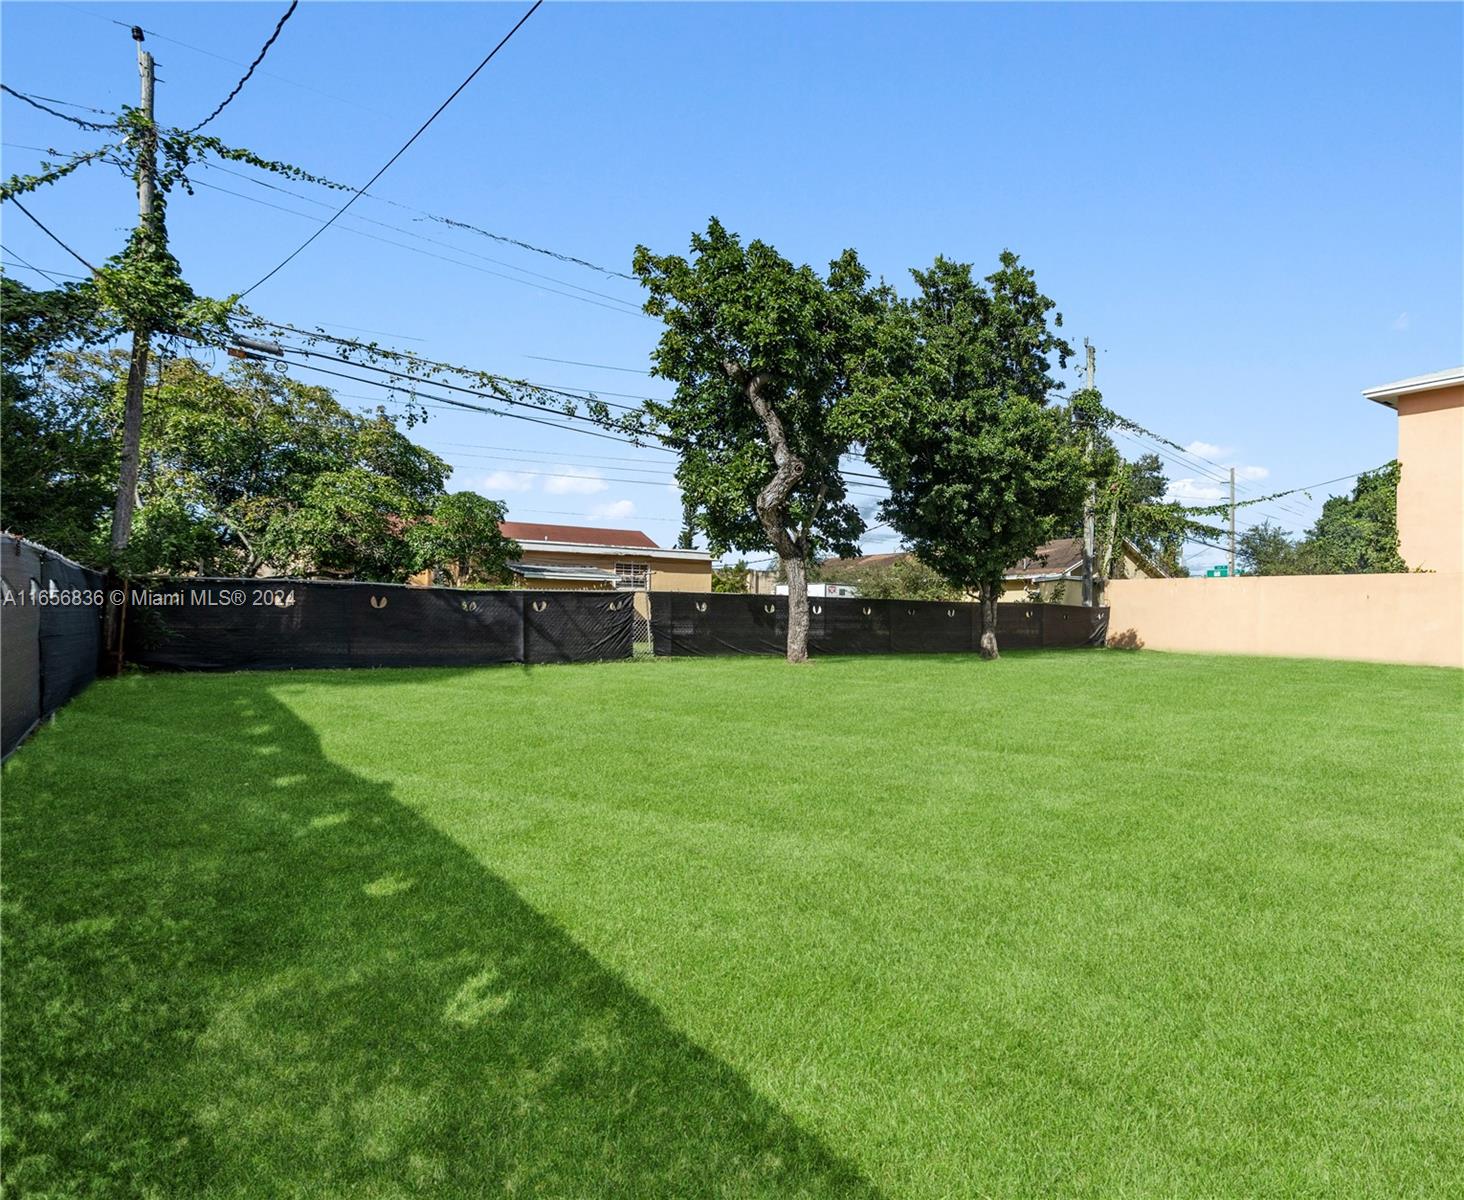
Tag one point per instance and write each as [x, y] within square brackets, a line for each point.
[281, 624]
[684, 623]
[50, 634]
[51, 631]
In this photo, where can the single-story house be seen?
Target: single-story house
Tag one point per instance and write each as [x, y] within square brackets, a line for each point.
[582, 557]
[1053, 575]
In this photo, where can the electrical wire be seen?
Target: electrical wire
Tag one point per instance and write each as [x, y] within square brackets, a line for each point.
[258, 58]
[162, 37]
[616, 305]
[34, 103]
[32, 266]
[570, 362]
[274, 187]
[41, 226]
[405, 146]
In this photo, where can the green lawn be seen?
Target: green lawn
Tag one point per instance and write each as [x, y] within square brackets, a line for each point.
[1076, 923]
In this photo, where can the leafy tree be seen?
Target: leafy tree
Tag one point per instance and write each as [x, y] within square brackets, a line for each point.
[762, 354]
[897, 577]
[349, 523]
[229, 471]
[55, 442]
[246, 452]
[1131, 508]
[1358, 534]
[462, 535]
[730, 577]
[981, 470]
[1267, 549]
[1354, 535]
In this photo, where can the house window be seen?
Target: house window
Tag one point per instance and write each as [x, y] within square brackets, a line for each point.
[633, 576]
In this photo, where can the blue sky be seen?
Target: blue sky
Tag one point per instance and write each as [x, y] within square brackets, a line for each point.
[1253, 211]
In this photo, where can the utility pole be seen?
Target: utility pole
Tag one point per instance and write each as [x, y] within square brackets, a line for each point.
[1232, 522]
[115, 622]
[1090, 505]
[147, 166]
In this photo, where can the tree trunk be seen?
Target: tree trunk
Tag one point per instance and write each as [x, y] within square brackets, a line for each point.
[772, 508]
[987, 645]
[797, 571]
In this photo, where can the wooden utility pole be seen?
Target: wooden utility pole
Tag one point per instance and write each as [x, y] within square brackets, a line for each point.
[1090, 505]
[147, 165]
[115, 617]
[1232, 521]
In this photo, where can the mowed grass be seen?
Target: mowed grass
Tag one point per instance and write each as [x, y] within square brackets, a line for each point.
[1077, 923]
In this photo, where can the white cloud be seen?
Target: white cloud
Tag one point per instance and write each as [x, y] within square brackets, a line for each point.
[506, 481]
[1252, 472]
[614, 508]
[1194, 489]
[1401, 322]
[575, 481]
[1208, 449]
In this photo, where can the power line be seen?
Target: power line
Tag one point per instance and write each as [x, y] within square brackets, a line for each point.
[567, 394]
[570, 362]
[446, 400]
[162, 37]
[101, 112]
[33, 267]
[421, 237]
[852, 480]
[15, 201]
[34, 103]
[258, 58]
[405, 146]
[616, 305]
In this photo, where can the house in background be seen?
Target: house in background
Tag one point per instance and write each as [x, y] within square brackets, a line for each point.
[581, 557]
[1054, 575]
[1431, 457]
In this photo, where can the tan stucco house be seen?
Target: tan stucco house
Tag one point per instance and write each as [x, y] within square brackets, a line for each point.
[581, 557]
[1431, 456]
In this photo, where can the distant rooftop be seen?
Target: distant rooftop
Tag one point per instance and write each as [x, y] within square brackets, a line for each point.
[1388, 393]
[525, 532]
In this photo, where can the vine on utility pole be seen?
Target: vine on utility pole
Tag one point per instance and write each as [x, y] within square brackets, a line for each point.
[1232, 522]
[147, 166]
[1090, 504]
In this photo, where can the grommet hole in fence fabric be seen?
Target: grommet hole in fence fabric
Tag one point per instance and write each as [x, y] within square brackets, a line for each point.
[221, 624]
[733, 623]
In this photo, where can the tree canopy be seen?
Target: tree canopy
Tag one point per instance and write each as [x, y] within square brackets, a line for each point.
[890, 577]
[981, 469]
[1353, 535]
[240, 472]
[461, 536]
[762, 353]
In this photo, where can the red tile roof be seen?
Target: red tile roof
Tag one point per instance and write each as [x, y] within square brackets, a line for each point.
[528, 532]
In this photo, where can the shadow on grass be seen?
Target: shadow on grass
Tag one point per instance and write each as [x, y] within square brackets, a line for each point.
[235, 969]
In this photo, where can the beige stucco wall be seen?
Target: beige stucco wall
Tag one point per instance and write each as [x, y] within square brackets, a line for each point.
[1414, 618]
[1431, 490]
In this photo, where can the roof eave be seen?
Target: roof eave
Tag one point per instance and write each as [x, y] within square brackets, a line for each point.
[1388, 393]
